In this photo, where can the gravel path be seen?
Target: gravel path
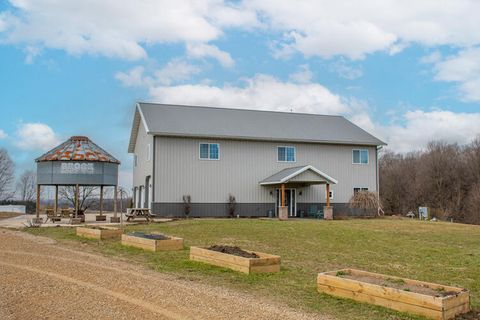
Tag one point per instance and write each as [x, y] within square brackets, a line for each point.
[42, 280]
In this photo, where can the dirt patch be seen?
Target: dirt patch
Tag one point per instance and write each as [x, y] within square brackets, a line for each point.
[398, 284]
[236, 251]
[6, 215]
[472, 315]
[151, 236]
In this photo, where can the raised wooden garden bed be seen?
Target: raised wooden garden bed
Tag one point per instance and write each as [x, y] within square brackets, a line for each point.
[99, 233]
[417, 297]
[152, 242]
[263, 263]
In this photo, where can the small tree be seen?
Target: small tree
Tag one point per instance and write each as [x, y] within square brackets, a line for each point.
[232, 205]
[187, 206]
[86, 198]
[365, 200]
[6, 175]
[26, 186]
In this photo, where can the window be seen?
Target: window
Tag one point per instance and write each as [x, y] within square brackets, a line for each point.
[148, 152]
[209, 151]
[360, 156]
[135, 160]
[355, 190]
[286, 154]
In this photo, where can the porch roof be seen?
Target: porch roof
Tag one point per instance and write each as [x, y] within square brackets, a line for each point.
[304, 174]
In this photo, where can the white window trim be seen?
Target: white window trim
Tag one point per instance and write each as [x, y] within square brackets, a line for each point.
[294, 154]
[209, 143]
[368, 157]
[149, 148]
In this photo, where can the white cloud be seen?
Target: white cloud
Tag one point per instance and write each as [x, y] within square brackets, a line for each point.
[345, 70]
[419, 127]
[3, 135]
[36, 136]
[304, 75]
[174, 71]
[355, 28]
[202, 50]
[132, 78]
[259, 92]
[118, 28]
[464, 69]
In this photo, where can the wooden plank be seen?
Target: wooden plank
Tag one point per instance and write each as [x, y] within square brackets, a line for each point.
[363, 297]
[380, 291]
[173, 243]
[396, 299]
[266, 262]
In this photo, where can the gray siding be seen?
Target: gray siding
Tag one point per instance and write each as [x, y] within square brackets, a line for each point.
[242, 164]
[144, 168]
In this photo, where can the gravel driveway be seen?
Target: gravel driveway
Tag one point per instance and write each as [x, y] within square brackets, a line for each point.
[42, 280]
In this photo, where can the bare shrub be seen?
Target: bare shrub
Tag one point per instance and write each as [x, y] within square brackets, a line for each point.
[367, 201]
[232, 205]
[187, 205]
[6, 175]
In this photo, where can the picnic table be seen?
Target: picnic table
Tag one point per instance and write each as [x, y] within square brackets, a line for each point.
[134, 213]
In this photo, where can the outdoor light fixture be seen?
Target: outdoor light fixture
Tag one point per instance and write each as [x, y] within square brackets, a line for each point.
[300, 193]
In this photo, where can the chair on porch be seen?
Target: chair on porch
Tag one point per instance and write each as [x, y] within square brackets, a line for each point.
[314, 211]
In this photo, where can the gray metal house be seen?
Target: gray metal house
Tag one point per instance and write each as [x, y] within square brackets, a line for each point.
[262, 158]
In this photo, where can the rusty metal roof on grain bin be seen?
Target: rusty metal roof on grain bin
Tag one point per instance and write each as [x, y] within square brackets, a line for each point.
[78, 148]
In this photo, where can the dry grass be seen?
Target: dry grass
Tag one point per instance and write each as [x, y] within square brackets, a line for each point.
[438, 252]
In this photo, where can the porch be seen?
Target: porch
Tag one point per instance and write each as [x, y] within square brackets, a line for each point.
[287, 181]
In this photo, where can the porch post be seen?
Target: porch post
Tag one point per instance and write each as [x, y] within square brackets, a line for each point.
[283, 210]
[328, 210]
[328, 194]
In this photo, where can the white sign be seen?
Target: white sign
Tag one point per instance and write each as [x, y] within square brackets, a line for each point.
[77, 168]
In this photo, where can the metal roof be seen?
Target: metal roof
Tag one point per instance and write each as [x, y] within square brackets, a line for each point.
[285, 175]
[179, 120]
[78, 148]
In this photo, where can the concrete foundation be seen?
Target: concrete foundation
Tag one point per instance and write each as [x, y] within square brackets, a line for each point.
[283, 213]
[328, 213]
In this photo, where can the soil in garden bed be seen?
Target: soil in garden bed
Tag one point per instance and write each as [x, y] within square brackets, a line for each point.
[236, 251]
[97, 228]
[150, 236]
[398, 284]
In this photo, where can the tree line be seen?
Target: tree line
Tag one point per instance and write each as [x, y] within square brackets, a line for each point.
[444, 177]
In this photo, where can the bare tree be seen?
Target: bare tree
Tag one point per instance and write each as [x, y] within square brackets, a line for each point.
[26, 186]
[87, 196]
[6, 175]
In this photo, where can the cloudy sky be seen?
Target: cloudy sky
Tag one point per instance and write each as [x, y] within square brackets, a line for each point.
[406, 71]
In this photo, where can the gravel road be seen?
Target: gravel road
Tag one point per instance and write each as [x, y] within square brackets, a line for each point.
[40, 279]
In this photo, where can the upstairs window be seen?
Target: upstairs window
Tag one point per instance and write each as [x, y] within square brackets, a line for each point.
[357, 189]
[135, 160]
[149, 152]
[209, 151]
[286, 154]
[360, 156]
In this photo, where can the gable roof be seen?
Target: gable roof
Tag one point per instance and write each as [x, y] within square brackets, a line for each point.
[288, 174]
[194, 121]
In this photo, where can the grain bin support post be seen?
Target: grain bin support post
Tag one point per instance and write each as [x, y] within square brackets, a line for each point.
[115, 218]
[56, 199]
[76, 200]
[37, 208]
[101, 200]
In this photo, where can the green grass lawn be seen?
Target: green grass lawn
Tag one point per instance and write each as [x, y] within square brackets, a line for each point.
[439, 252]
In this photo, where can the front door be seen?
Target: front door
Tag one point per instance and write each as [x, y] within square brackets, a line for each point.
[290, 201]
